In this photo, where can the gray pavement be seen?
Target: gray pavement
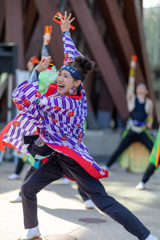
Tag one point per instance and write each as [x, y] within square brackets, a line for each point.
[61, 209]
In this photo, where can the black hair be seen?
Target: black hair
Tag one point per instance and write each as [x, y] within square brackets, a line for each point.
[142, 83]
[83, 65]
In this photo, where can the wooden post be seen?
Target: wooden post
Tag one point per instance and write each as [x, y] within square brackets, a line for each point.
[120, 37]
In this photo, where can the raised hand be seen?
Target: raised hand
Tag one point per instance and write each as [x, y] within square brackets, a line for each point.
[43, 65]
[65, 23]
[46, 38]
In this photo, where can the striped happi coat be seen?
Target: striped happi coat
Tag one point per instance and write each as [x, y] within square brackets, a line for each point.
[58, 120]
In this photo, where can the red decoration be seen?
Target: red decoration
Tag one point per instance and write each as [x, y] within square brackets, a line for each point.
[36, 61]
[47, 29]
[38, 94]
[63, 138]
[54, 120]
[57, 19]
[57, 108]
[19, 106]
[16, 123]
[26, 102]
[134, 58]
[70, 114]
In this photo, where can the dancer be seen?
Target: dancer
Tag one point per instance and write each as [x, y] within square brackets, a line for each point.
[154, 159]
[46, 77]
[140, 108]
[59, 117]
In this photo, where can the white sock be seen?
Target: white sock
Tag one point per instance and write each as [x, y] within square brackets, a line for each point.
[151, 237]
[30, 233]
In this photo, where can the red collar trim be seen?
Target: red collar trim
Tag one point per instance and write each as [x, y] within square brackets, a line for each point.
[76, 97]
[53, 87]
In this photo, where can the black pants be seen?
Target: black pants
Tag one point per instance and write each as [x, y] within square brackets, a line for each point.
[19, 166]
[31, 170]
[127, 141]
[149, 172]
[60, 165]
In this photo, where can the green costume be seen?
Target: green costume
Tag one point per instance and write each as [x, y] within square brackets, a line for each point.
[45, 78]
[155, 154]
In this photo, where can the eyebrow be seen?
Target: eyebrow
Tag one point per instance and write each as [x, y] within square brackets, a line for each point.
[67, 73]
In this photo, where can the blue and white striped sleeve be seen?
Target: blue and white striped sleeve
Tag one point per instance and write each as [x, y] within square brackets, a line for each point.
[34, 76]
[70, 51]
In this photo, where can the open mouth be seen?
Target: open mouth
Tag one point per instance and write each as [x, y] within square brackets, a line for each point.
[60, 85]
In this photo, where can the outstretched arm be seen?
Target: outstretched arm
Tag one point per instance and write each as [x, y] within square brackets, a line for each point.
[45, 47]
[131, 82]
[70, 51]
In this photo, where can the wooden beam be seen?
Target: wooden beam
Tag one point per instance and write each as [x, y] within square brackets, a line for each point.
[132, 14]
[120, 37]
[29, 21]
[141, 4]
[92, 122]
[101, 55]
[105, 101]
[2, 15]
[91, 118]
[35, 43]
[14, 27]
[46, 10]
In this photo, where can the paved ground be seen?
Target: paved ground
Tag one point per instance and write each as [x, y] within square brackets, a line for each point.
[61, 208]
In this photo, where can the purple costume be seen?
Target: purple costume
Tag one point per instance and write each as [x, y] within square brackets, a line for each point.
[58, 120]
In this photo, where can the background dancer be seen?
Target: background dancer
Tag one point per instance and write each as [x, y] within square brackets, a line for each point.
[140, 121]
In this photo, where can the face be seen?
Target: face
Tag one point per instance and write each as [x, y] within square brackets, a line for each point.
[65, 82]
[141, 89]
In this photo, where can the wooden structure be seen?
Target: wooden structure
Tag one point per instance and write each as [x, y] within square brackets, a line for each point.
[108, 31]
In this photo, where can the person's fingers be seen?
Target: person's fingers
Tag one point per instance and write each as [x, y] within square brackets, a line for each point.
[47, 61]
[69, 17]
[65, 15]
[61, 18]
[42, 58]
[72, 20]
